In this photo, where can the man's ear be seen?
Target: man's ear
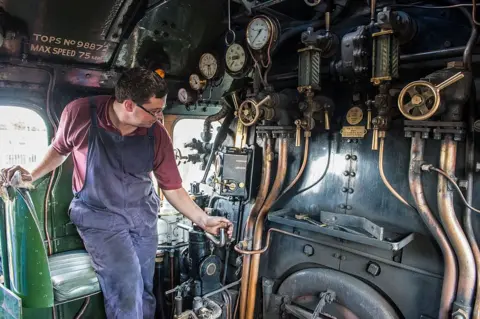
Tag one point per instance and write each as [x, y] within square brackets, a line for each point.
[128, 105]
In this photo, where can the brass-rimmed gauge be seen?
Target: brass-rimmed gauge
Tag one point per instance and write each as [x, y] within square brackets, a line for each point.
[186, 96]
[260, 32]
[235, 58]
[196, 83]
[208, 65]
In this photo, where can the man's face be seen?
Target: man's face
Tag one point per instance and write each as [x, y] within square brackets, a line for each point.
[146, 114]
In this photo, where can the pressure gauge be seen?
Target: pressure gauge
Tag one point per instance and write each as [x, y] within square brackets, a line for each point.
[208, 65]
[185, 96]
[196, 83]
[235, 58]
[259, 32]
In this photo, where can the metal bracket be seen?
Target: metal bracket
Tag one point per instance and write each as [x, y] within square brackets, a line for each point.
[345, 221]
[390, 240]
[457, 129]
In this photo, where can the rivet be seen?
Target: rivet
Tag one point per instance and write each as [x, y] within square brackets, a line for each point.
[350, 190]
[354, 157]
[336, 255]
[346, 173]
[347, 157]
[348, 207]
[343, 206]
[352, 174]
[344, 189]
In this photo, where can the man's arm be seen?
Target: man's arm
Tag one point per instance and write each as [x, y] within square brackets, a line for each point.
[55, 156]
[182, 202]
[50, 161]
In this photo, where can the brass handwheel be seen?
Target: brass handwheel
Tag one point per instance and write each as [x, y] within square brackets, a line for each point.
[419, 100]
[249, 111]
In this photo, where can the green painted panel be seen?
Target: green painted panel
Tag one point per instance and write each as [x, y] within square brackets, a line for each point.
[3, 244]
[67, 243]
[27, 258]
[11, 305]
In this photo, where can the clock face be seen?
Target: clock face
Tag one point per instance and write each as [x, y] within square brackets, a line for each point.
[208, 65]
[258, 33]
[235, 57]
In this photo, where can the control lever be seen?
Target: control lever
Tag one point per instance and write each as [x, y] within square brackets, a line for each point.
[219, 242]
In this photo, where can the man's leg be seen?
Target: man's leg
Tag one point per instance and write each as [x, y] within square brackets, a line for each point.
[145, 243]
[118, 269]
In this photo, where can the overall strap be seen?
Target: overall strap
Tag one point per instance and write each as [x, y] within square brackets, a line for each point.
[93, 112]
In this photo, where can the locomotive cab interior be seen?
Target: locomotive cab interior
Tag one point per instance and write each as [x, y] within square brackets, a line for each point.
[338, 137]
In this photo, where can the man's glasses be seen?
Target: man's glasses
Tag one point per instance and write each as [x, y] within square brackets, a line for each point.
[155, 114]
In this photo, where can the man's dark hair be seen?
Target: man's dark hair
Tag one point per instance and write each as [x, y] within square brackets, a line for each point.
[139, 85]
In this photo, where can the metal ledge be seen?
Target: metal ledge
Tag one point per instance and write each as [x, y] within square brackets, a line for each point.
[392, 241]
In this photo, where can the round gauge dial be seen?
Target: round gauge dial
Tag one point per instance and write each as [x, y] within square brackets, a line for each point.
[196, 83]
[235, 57]
[185, 96]
[208, 65]
[258, 33]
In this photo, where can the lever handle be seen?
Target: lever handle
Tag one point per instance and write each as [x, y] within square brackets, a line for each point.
[455, 78]
[327, 120]
[298, 132]
[375, 139]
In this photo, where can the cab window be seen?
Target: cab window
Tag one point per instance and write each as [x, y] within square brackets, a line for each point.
[184, 131]
[23, 137]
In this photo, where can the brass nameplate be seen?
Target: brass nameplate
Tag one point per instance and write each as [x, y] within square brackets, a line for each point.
[353, 131]
[354, 115]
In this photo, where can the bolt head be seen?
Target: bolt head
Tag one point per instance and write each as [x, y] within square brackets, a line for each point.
[308, 250]
[373, 269]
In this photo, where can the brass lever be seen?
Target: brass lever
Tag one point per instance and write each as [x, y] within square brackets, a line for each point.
[375, 138]
[327, 120]
[298, 123]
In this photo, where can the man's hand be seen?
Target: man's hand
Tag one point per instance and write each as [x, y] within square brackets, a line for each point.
[6, 174]
[213, 225]
[182, 202]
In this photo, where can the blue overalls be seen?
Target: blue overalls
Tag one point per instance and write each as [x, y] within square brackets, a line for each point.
[116, 213]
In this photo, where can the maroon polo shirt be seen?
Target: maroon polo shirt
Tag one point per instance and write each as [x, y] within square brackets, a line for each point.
[72, 137]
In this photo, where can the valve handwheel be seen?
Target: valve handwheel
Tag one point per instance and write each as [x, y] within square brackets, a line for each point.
[249, 112]
[419, 100]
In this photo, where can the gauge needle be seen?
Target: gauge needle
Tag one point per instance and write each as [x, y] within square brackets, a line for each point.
[259, 31]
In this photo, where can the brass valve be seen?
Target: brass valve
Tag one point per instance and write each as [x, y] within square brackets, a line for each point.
[424, 98]
[249, 111]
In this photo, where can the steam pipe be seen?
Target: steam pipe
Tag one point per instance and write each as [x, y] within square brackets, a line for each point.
[259, 226]
[222, 134]
[466, 263]
[467, 215]
[302, 167]
[416, 188]
[252, 217]
[207, 125]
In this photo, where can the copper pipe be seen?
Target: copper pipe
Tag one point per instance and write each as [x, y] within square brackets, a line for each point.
[384, 178]
[469, 170]
[466, 263]
[416, 188]
[259, 226]
[302, 168]
[252, 217]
